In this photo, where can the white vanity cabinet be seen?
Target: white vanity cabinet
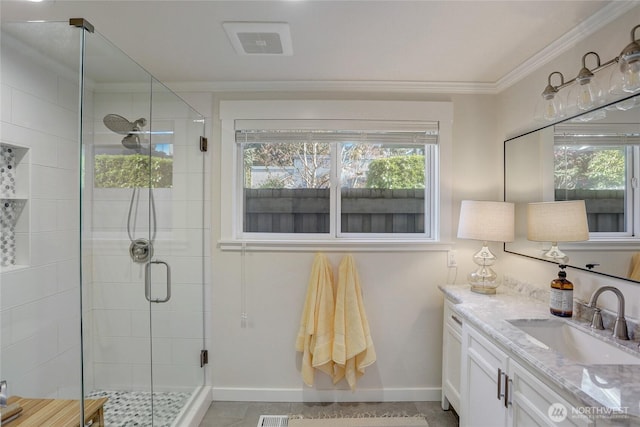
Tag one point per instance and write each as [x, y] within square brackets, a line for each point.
[451, 357]
[498, 391]
[484, 370]
[533, 403]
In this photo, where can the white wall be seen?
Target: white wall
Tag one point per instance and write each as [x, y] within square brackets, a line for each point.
[516, 108]
[40, 301]
[403, 304]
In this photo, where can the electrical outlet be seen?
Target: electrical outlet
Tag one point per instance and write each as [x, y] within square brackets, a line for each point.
[451, 259]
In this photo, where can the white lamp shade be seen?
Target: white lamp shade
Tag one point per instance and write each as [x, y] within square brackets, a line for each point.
[564, 221]
[486, 221]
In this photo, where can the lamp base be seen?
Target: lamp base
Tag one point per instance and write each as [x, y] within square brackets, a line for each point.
[484, 289]
[556, 254]
[484, 280]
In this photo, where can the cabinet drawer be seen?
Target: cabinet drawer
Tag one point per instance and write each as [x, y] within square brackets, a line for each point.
[452, 318]
[532, 400]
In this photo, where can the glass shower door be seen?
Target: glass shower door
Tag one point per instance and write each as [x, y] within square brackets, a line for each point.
[176, 271]
[143, 233]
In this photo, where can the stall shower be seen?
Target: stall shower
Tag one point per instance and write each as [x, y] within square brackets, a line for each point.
[103, 291]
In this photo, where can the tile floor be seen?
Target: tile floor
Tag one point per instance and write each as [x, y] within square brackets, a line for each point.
[133, 408]
[246, 414]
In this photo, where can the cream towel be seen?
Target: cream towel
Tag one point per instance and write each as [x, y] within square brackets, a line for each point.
[315, 336]
[634, 267]
[353, 347]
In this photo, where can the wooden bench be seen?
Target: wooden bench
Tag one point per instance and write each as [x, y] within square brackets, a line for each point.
[57, 412]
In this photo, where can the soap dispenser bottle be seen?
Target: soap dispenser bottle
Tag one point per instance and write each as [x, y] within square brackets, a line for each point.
[561, 298]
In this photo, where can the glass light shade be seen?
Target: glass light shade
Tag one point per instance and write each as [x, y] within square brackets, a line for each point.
[598, 114]
[552, 109]
[627, 104]
[585, 95]
[616, 92]
[631, 76]
[588, 95]
[549, 109]
[485, 221]
[563, 221]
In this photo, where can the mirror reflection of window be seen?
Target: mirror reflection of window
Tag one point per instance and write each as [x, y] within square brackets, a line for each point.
[598, 169]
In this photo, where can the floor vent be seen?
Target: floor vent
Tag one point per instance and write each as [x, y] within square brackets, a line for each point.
[273, 421]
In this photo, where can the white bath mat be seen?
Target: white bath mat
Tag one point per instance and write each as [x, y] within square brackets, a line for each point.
[360, 422]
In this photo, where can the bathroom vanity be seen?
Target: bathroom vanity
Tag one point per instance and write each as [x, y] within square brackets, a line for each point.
[508, 362]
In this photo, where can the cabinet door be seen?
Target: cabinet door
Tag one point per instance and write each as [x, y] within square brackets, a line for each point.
[451, 358]
[533, 403]
[483, 382]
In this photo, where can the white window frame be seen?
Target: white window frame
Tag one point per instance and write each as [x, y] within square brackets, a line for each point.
[331, 113]
[632, 189]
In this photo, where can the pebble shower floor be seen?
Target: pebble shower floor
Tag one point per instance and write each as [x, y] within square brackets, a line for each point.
[133, 408]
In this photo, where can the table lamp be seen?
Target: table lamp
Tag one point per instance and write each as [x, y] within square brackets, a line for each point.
[563, 221]
[488, 222]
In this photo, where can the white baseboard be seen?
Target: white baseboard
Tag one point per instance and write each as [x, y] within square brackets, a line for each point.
[314, 395]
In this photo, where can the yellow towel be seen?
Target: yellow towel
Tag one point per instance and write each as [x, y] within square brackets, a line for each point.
[315, 336]
[634, 267]
[353, 347]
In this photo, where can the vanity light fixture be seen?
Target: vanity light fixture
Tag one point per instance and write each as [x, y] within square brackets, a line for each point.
[561, 221]
[487, 222]
[586, 93]
[552, 107]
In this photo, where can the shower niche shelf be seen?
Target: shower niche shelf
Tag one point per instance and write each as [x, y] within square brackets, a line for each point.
[14, 206]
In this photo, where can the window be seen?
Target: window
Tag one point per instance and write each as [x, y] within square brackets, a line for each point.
[600, 168]
[333, 170]
[289, 175]
[117, 167]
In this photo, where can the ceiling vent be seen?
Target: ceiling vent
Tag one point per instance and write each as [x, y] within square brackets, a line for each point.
[259, 38]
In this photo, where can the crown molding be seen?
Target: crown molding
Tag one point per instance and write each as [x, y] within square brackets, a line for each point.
[589, 26]
[337, 86]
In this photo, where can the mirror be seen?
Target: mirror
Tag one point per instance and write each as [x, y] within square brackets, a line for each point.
[593, 157]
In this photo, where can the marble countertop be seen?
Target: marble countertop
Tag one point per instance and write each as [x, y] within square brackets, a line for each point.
[606, 390]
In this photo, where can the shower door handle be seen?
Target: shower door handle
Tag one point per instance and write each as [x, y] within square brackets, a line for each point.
[147, 282]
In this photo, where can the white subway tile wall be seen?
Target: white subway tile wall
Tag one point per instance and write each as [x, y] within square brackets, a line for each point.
[40, 297]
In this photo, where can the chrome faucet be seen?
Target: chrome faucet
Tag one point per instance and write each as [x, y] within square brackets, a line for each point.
[620, 326]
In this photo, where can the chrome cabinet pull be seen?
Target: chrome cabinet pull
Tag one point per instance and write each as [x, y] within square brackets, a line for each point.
[508, 392]
[147, 282]
[500, 384]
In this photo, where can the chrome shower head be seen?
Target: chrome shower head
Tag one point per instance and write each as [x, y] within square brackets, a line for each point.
[121, 125]
[131, 141]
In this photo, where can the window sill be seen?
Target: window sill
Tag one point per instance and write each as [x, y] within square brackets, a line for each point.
[351, 245]
[604, 243]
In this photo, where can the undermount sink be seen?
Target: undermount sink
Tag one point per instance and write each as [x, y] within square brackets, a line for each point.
[573, 343]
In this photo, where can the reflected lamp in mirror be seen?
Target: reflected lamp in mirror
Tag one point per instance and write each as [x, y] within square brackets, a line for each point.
[564, 221]
[487, 222]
